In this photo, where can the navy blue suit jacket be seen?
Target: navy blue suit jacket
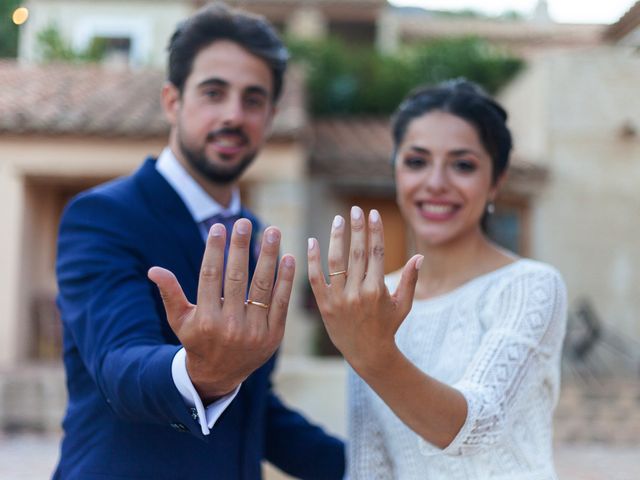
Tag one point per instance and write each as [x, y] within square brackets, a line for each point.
[125, 418]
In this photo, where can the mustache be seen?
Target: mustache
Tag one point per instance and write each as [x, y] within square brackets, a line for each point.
[227, 131]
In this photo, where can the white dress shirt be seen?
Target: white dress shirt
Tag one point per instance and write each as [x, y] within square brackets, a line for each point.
[202, 207]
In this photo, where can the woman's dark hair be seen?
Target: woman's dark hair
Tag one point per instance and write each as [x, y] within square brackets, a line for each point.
[219, 22]
[468, 101]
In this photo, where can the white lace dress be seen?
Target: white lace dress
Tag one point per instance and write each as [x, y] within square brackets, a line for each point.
[498, 340]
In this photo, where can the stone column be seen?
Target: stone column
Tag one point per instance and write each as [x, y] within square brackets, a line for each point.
[307, 23]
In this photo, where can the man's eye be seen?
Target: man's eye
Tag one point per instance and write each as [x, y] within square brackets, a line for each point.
[465, 166]
[414, 162]
[255, 102]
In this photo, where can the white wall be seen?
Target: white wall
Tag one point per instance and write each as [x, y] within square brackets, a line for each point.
[23, 245]
[569, 112]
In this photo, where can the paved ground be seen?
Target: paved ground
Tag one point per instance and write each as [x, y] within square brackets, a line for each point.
[598, 462]
[28, 457]
[597, 427]
[32, 457]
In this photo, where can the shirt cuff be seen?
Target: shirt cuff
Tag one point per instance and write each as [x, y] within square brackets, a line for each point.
[206, 417]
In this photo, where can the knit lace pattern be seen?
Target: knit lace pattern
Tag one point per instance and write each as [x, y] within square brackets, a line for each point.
[498, 340]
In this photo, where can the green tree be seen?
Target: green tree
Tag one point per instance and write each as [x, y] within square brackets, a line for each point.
[343, 80]
[469, 57]
[53, 47]
[8, 30]
[331, 82]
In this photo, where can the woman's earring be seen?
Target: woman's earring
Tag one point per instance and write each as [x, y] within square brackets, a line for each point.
[491, 208]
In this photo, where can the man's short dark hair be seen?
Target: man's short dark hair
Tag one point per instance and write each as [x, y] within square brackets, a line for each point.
[219, 22]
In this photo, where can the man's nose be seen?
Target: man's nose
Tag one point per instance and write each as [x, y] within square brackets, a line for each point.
[233, 112]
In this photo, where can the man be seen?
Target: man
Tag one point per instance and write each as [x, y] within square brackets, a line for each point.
[173, 382]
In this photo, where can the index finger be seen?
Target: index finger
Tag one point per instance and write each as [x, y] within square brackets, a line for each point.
[315, 272]
[337, 262]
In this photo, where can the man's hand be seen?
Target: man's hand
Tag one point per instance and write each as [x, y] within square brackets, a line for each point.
[227, 339]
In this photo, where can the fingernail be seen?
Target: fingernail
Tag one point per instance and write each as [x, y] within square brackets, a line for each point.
[419, 262]
[242, 227]
[356, 213]
[272, 235]
[311, 242]
[216, 230]
[337, 221]
[289, 261]
[374, 216]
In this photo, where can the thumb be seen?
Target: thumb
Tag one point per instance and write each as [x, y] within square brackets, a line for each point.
[175, 303]
[407, 286]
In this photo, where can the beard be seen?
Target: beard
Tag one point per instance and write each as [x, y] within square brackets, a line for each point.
[218, 174]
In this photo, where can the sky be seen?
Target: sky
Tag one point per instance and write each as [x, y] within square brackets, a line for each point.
[563, 11]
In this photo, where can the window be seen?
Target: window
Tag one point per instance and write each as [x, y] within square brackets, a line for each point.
[114, 47]
[121, 37]
[508, 226]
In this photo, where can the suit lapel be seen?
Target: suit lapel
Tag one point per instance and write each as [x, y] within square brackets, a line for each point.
[171, 212]
[178, 225]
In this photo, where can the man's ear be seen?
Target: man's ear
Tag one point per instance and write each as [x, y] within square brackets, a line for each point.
[170, 98]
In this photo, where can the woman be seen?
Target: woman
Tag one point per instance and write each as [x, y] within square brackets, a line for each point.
[455, 374]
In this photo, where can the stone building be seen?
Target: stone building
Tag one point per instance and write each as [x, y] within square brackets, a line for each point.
[577, 115]
[569, 200]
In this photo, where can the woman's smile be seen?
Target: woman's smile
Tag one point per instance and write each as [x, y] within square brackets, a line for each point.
[437, 211]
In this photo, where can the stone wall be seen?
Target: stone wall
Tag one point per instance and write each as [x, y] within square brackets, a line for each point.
[578, 115]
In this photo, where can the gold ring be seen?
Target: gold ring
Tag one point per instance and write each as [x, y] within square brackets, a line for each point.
[258, 304]
[341, 272]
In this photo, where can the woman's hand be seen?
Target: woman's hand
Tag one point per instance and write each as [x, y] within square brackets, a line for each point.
[359, 313]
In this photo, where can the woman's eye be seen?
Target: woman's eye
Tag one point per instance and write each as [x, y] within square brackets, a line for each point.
[465, 166]
[414, 162]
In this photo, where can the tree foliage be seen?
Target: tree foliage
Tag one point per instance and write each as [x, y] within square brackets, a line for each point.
[344, 80]
[54, 47]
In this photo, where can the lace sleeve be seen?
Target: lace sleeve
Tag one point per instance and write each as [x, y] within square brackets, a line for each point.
[519, 350]
[367, 456]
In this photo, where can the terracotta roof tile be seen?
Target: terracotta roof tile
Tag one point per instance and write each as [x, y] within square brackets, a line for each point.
[248, 4]
[519, 35]
[80, 99]
[101, 101]
[625, 24]
[280, 11]
[351, 148]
